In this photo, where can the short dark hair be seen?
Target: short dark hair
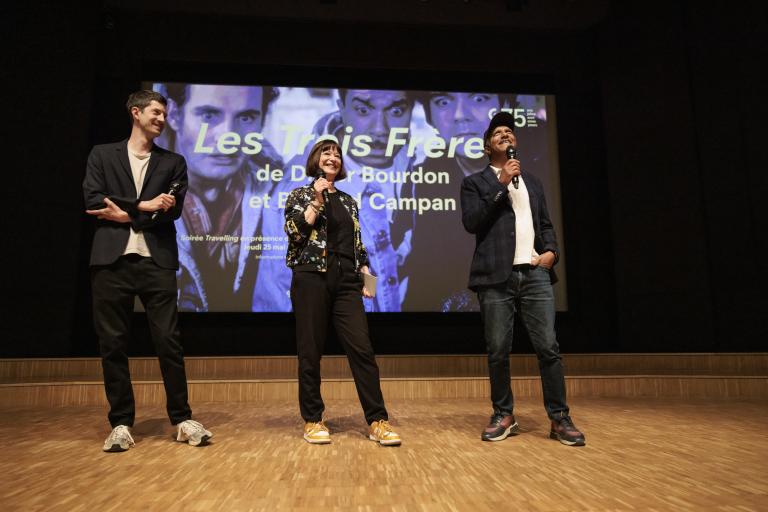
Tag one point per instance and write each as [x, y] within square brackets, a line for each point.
[142, 99]
[179, 92]
[313, 160]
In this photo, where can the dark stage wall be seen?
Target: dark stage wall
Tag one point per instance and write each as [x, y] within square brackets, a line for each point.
[660, 115]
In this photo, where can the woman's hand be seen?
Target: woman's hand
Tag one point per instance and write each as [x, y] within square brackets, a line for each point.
[319, 185]
[365, 270]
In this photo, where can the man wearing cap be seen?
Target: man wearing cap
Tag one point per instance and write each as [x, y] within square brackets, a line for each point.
[512, 269]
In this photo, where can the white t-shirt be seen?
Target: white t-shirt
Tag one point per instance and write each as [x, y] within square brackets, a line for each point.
[524, 232]
[136, 243]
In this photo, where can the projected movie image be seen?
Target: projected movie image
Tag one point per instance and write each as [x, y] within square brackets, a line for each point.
[405, 152]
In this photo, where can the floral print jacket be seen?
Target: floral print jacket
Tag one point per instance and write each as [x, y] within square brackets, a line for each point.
[307, 242]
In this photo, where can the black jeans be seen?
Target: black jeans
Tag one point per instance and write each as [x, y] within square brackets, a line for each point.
[335, 295]
[115, 288]
[529, 287]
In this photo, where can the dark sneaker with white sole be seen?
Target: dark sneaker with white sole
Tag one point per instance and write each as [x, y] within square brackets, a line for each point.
[500, 428]
[566, 432]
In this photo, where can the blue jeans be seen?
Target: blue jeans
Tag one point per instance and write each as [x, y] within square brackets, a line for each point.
[529, 289]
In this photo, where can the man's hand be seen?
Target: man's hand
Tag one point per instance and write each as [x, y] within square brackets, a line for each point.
[162, 202]
[511, 168]
[111, 212]
[546, 260]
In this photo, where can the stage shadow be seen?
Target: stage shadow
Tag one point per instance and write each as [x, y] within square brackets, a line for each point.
[152, 428]
[351, 424]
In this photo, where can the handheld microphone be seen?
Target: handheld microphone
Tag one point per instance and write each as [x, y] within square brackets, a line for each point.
[326, 197]
[175, 186]
[512, 153]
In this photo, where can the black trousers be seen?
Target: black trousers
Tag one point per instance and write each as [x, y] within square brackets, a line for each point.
[115, 288]
[334, 295]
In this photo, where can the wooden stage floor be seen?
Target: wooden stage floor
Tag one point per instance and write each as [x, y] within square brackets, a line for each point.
[646, 454]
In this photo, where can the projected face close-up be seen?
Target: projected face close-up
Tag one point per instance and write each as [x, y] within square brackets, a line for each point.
[375, 113]
[209, 112]
[462, 114]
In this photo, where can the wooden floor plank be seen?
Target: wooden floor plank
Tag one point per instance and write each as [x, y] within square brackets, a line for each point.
[397, 366]
[641, 454]
[76, 393]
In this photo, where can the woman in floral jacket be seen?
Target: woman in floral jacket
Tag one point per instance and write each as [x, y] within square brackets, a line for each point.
[327, 256]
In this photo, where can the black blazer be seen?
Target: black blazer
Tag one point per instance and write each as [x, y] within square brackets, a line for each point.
[487, 213]
[108, 174]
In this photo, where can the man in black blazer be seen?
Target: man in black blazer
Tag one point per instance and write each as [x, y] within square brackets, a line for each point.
[512, 268]
[126, 187]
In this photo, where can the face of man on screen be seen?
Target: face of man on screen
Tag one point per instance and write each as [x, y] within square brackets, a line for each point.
[375, 113]
[461, 114]
[216, 109]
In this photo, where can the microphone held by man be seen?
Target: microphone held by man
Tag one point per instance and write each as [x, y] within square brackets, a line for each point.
[512, 155]
[172, 191]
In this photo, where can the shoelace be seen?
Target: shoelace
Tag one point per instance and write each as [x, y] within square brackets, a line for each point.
[118, 432]
[496, 419]
[386, 429]
[318, 427]
[195, 425]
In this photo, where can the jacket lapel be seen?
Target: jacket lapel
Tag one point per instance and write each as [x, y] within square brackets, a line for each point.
[122, 156]
[154, 161]
[489, 176]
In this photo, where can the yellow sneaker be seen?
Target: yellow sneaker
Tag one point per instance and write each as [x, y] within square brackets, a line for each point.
[381, 432]
[316, 433]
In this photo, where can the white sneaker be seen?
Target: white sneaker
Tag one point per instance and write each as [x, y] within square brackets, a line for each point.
[192, 432]
[119, 439]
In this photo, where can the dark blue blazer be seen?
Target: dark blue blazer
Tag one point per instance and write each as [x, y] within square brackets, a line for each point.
[108, 174]
[487, 213]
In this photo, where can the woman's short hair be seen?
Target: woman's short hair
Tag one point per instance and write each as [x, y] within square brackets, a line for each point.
[313, 161]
